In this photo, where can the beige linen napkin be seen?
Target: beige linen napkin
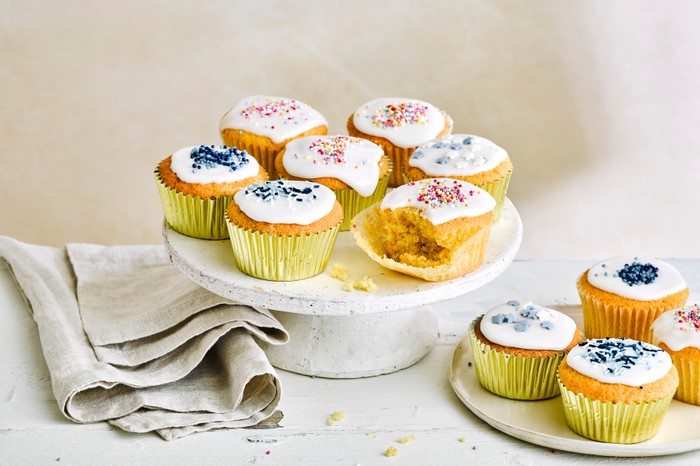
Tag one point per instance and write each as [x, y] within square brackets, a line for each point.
[130, 340]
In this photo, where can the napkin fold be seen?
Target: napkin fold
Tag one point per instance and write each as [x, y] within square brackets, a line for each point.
[130, 340]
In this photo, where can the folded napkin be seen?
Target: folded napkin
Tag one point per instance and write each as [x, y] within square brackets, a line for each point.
[130, 340]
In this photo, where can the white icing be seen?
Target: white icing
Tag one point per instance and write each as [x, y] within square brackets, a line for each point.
[403, 132]
[277, 118]
[181, 164]
[281, 204]
[533, 335]
[604, 275]
[678, 329]
[457, 155]
[649, 363]
[475, 201]
[351, 160]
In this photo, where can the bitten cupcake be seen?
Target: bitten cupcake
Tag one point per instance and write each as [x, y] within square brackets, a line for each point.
[622, 296]
[678, 333]
[465, 157]
[399, 125]
[263, 125]
[196, 185]
[283, 230]
[517, 349]
[616, 390]
[434, 229]
[355, 169]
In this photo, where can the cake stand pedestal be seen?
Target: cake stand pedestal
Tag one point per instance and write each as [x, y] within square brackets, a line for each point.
[336, 333]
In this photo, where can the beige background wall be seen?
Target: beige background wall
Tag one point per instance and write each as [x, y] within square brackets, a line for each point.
[597, 103]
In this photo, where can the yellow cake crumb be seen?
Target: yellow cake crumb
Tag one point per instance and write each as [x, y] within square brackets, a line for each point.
[391, 451]
[335, 417]
[365, 284]
[349, 285]
[462, 439]
[407, 439]
[339, 271]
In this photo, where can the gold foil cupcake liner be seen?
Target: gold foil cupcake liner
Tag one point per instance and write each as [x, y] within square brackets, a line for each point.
[613, 422]
[398, 156]
[281, 257]
[688, 379]
[352, 202]
[191, 215]
[514, 376]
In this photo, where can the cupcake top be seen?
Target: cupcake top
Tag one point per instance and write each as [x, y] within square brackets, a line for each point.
[457, 155]
[678, 329]
[349, 159]
[213, 164]
[404, 122]
[284, 201]
[528, 326]
[619, 361]
[440, 199]
[636, 278]
[277, 118]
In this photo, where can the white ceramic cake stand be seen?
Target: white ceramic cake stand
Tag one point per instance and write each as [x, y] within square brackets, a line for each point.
[336, 333]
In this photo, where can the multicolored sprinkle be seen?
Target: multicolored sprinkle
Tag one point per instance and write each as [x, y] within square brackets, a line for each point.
[332, 149]
[208, 157]
[688, 318]
[438, 193]
[401, 114]
[273, 107]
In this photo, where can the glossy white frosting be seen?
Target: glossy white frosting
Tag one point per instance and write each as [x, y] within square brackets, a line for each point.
[528, 326]
[404, 122]
[440, 199]
[277, 118]
[457, 155]
[605, 275]
[601, 359]
[285, 201]
[230, 165]
[678, 329]
[351, 160]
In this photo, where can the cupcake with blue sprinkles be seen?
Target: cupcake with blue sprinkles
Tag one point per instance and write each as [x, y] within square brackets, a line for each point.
[196, 184]
[283, 230]
[517, 347]
[621, 297]
[616, 390]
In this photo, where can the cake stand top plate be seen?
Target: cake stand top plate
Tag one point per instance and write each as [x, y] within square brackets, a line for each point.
[210, 264]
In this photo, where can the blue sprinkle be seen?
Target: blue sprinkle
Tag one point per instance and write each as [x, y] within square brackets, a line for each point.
[440, 145]
[468, 140]
[529, 313]
[522, 325]
[499, 319]
[442, 160]
[456, 146]
[638, 274]
[418, 155]
[513, 302]
[548, 325]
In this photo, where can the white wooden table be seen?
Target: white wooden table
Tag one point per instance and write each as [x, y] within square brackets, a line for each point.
[418, 401]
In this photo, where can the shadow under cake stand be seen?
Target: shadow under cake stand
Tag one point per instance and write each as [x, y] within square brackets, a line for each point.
[336, 333]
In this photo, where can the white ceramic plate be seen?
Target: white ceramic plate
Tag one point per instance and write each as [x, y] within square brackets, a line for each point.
[543, 423]
[211, 265]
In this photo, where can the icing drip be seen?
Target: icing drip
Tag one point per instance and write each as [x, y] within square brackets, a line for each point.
[404, 122]
[528, 326]
[635, 278]
[623, 361]
[678, 329]
[441, 199]
[457, 155]
[278, 118]
[351, 160]
[283, 201]
[213, 164]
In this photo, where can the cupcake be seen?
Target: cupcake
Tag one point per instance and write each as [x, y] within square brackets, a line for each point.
[517, 349]
[678, 333]
[622, 296]
[399, 125]
[473, 159]
[355, 169]
[196, 185]
[283, 230]
[616, 390]
[263, 125]
[434, 229]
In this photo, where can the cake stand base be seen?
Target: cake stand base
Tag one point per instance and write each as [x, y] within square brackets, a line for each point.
[352, 346]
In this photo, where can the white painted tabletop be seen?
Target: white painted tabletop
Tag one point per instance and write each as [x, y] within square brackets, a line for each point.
[418, 401]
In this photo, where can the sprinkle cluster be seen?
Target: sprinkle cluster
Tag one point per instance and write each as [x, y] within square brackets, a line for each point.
[271, 191]
[332, 150]
[528, 312]
[619, 355]
[273, 107]
[208, 157]
[400, 114]
[638, 274]
[688, 318]
[437, 193]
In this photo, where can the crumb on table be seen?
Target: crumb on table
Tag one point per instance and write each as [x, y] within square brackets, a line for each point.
[391, 451]
[335, 417]
[339, 271]
[407, 439]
